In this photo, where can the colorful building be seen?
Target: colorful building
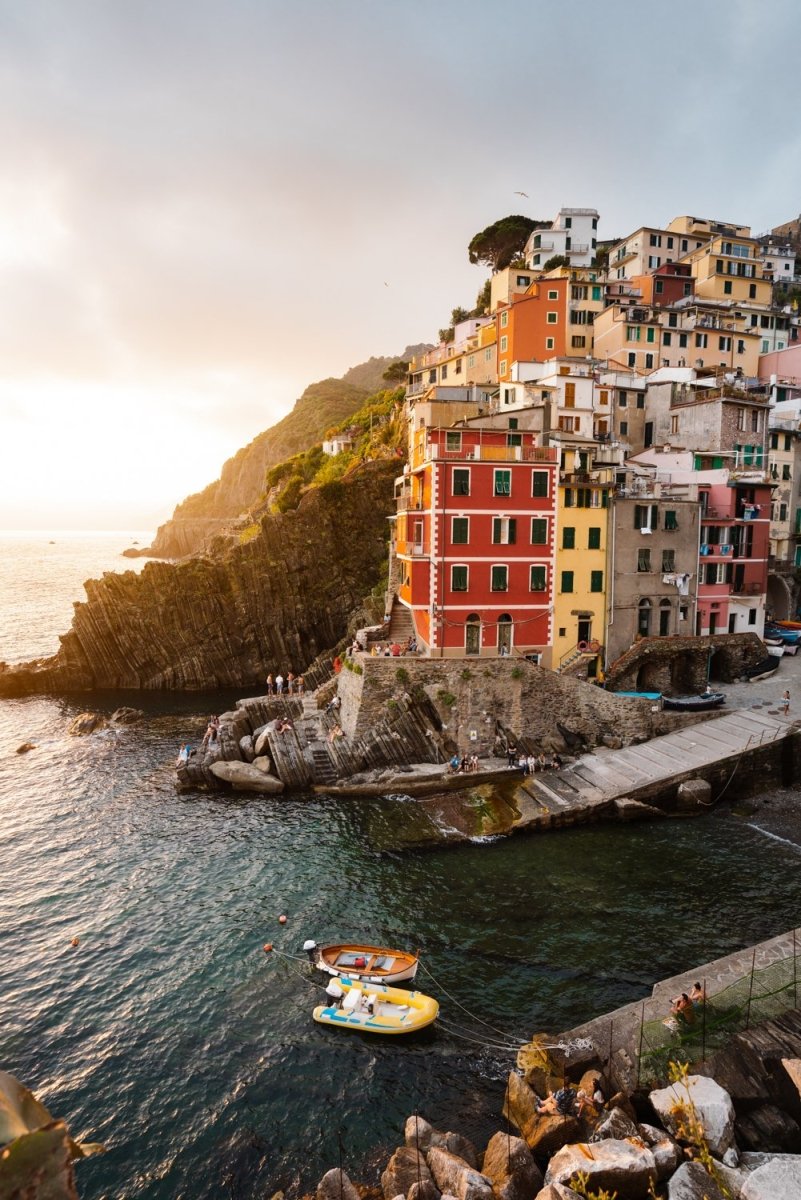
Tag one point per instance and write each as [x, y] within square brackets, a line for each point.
[573, 235]
[474, 541]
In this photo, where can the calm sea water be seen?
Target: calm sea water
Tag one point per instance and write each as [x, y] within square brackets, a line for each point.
[170, 1036]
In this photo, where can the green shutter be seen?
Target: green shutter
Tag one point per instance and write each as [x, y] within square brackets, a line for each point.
[568, 538]
[567, 581]
[594, 542]
[539, 531]
[596, 581]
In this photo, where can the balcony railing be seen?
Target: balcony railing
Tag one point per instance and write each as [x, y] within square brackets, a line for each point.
[484, 453]
[409, 503]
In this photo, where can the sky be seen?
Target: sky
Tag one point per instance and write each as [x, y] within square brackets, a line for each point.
[206, 205]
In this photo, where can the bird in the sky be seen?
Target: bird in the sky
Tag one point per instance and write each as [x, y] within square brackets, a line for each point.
[522, 194]
[385, 283]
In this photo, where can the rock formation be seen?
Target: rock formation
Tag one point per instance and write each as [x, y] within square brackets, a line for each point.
[276, 601]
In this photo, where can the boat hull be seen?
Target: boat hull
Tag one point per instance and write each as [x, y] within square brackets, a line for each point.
[393, 1011]
[381, 964]
[764, 668]
[693, 703]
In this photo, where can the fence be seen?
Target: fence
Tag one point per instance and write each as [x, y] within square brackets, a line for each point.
[759, 995]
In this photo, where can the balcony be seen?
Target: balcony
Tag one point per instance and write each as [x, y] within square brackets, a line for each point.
[577, 248]
[408, 503]
[484, 453]
[579, 477]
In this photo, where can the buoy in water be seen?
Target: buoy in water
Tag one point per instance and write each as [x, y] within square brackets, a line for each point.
[282, 920]
[74, 942]
[267, 947]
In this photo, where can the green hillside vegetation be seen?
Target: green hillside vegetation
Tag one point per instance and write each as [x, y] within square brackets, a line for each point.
[378, 432]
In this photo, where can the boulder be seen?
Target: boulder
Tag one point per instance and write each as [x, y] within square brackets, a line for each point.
[417, 1132]
[427, 1190]
[510, 1167]
[263, 763]
[544, 1133]
[779, 1178]
[615, 1166]
[335, 1185]
[246, 748]
[712, 1105]
[693, 1182]
[692, 794]
[87, 722]
[126, 716]
[462, 1147]
[261, 740]
[667, 1153]
[557, 1191]
[25, 747]
[245, 778]
[406, 1167]
[770, 1129]
[455, 1176]
[615, 1124]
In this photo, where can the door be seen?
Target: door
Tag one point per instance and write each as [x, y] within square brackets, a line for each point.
[472, 636]
[504, 634]
[732, 622]
[713, 621]
[584, 630]
[664, 621]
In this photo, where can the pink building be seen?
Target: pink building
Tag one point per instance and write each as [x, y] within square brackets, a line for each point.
[733, 554]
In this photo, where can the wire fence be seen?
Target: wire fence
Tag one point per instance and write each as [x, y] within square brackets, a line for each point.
[759, 995]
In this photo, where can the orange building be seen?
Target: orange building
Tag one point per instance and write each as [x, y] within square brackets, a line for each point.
[532, 327]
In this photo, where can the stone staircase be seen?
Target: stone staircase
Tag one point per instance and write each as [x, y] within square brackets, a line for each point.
[401, 623]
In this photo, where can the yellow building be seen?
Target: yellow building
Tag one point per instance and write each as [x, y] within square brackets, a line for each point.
[579, 595]
[728, 268]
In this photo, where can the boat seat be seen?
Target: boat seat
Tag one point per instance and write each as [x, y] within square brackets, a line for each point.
[383, 963]
[351, 1001]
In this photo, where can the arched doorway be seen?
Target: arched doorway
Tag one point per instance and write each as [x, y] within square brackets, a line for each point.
[504, 634]
[644, 618]
[472, 634]
[779, 598]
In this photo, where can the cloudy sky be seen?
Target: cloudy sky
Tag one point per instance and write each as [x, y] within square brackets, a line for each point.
[201, 201]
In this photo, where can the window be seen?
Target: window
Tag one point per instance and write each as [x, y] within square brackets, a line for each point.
[504, 531]
[553, 295]
[502, 367]
[596, 581]
[632, 359]
[668, 560]
[650, 334]
[674, 423]
[566, 424]
[752, 291]
[570, 395]
[782, 512]
[649, 361]
[514, 439]
[499, 579]
[724, 343]
[539, 483]
[643, 561]
[670, 519]
[461, 481]
[458, 579]
[653, 261]
[673, 320]
[538, 581]
[644, 618]
[786, 471]
[624, 428]
[488, 353]
[603, 396]
[594, 538]
[633, 333]
[502, 483]
[504, 319]
[569, 538]
[552, 318]
[523, 280]
[655, 239]
[504, 344]
[727, 287]
[659, 287]
[701, 340]
[667, 338]
[567, 581]
[683, 340]
[549, 343]
[453, 441]
[460, 531]
[597, 293]
[578, 342]
[539, 531]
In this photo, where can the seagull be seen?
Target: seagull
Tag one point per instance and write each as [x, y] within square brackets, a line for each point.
[522, 194]
[385, 283]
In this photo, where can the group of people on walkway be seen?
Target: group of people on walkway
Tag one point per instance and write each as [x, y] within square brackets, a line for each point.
[393, 649]
[462, 765]
[530, 764]
[291, 686]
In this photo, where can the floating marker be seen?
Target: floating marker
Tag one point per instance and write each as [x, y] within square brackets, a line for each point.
[282, 920]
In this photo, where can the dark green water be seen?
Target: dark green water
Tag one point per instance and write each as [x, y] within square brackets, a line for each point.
[170, 1036]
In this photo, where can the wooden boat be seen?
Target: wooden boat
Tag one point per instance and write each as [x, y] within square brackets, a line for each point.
[375, 1008]
[639, 695]
[378, 964]
[788, 624]
[700, 703]
[787, 636]
[762, 669]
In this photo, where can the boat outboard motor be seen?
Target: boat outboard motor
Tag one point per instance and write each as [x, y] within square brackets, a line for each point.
[310, 947]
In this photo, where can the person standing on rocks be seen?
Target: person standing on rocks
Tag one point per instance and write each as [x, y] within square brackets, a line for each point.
[270, 685]
[279, 685]
[290, 682]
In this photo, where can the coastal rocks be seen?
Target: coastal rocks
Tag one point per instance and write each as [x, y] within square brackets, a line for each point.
[261, 740]
[25, 747]
[768, 1128]
[510, 1167]
[420, 1134]
[263, 763]
[616, 1166]
[712, 1105]
[406, 1167]
[246, 748]
[692, 794]
[85, 723]
[456, 1177]
[335, 1185]
[693, 1182]
[615, 1124]
[557, 1191]
[126, 716]
[544, 1133]
[245, 778]
[777, 1179]
[666, 1152]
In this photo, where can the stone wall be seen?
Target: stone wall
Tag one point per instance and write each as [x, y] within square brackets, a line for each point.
[476, 698]
[679, 665]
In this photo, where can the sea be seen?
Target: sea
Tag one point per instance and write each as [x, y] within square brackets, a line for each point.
[168, 1034]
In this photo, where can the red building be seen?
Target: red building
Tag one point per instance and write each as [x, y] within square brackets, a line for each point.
[733, 563]
[474, 541]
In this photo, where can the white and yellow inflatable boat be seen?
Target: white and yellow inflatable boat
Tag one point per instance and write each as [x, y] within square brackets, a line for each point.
[375, 1007]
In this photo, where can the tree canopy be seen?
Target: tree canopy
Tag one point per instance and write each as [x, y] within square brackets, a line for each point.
[501, 242]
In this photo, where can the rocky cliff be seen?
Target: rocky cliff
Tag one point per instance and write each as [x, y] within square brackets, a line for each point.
[322, 406]
[273, 603]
